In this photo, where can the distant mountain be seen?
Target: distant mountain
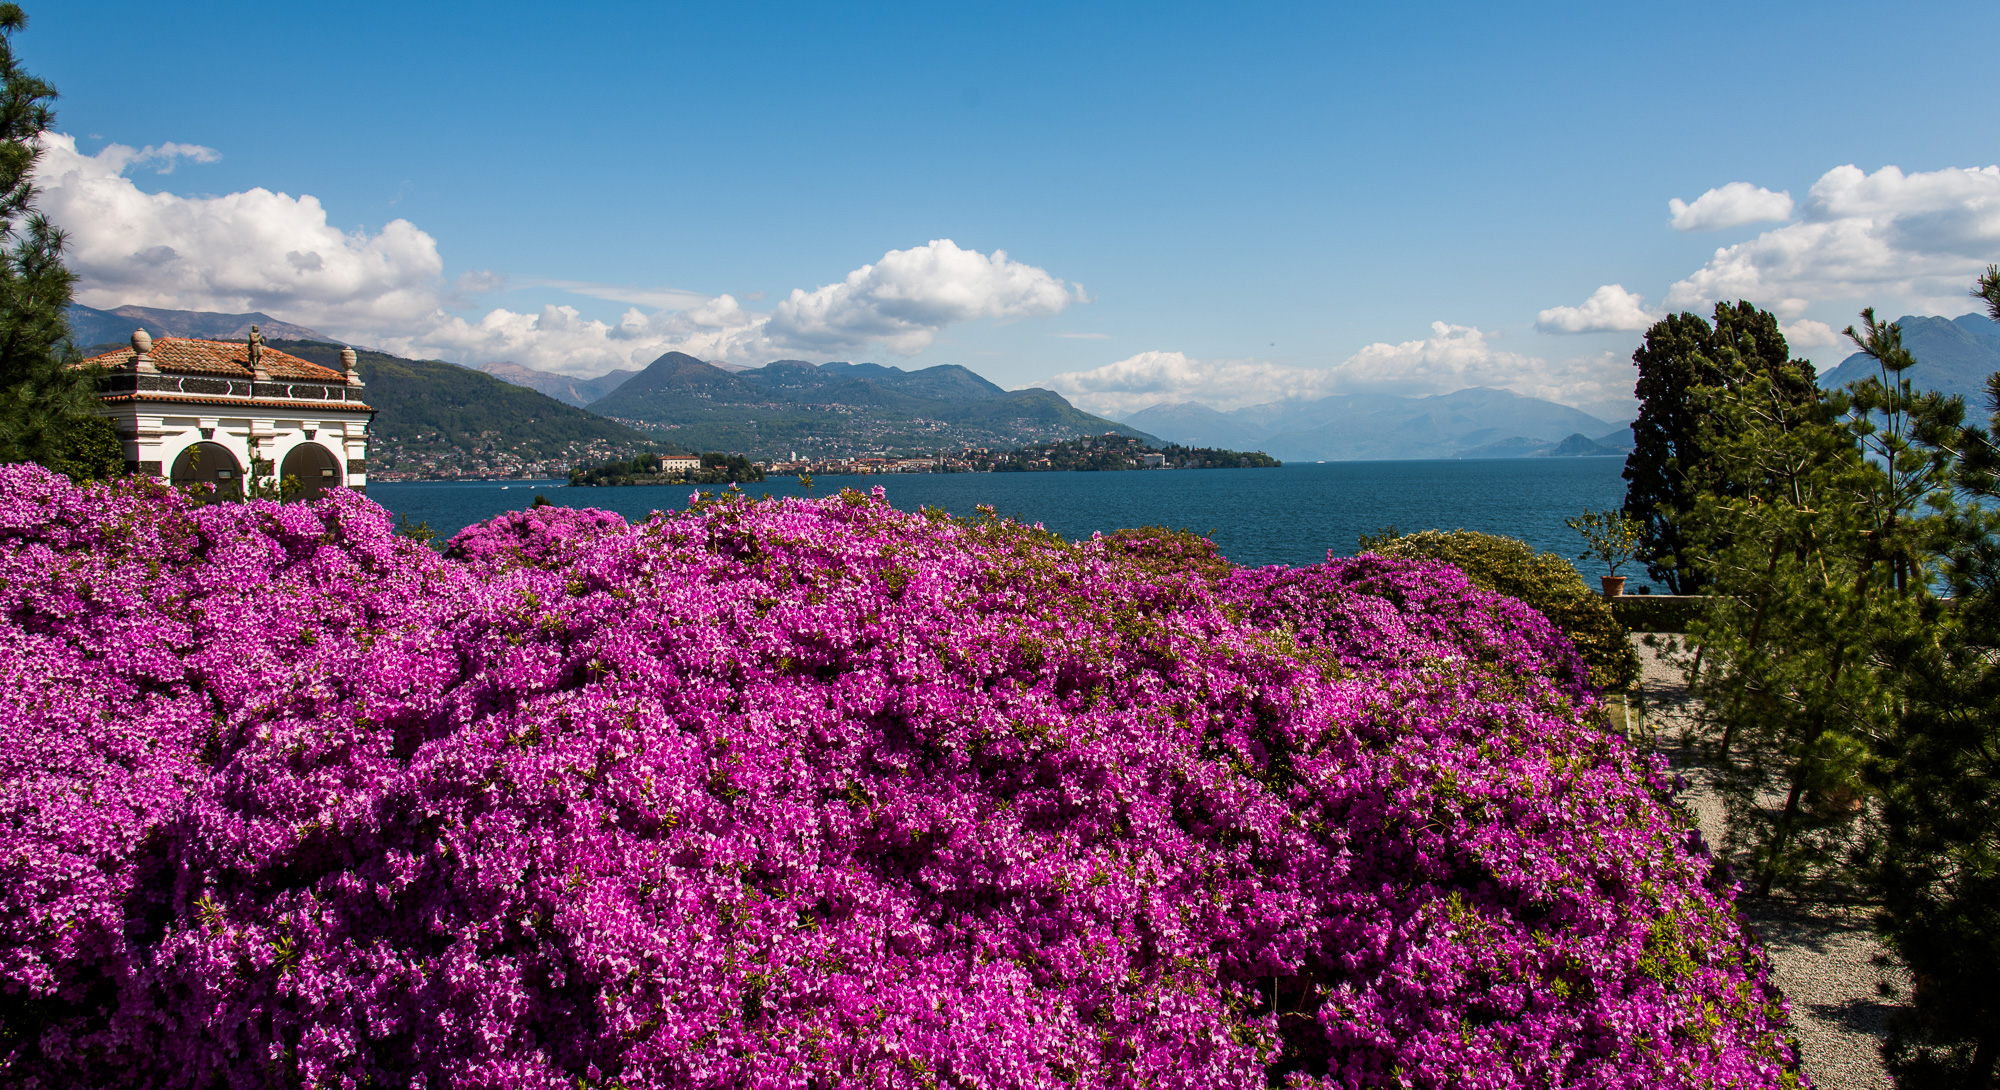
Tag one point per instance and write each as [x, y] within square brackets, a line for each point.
[90, 327]
[1516, 447]
[1581, 446]
[1954, 356]
[567, 389]
[1348, 427]
[1620, 440]
[437, 416]
[836, 409]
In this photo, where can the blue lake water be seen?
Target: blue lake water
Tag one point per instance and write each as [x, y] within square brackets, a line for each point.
[1292, 515]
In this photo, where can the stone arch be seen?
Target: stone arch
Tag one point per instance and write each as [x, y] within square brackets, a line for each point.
[205, 462]
[315, 468]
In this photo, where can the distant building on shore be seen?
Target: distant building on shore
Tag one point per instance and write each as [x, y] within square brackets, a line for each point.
[192, 411]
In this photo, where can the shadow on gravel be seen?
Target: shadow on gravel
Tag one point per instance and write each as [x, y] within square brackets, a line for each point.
[1855, 1015]
[1836, 977]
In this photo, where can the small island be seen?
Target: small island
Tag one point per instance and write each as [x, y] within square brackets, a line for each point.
[651, 469]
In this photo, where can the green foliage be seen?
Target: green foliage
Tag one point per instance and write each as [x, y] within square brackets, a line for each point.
[1669, 465]
[1938, 873]
[89, 450]
[421, 532]
[1373, 543]
[47, 405]
[1655, 612]
[1844, 686]
[1546, 581]
[1610, 536]
[1819, 556]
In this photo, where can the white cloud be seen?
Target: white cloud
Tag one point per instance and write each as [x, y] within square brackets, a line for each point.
[1454, 357]
[1610, 309]
[255, 250]
[1806, 333]
[1151, 378]
[1887, 238]
[1451, 358]
[1733, 205]
[903, 300]
[260, 250]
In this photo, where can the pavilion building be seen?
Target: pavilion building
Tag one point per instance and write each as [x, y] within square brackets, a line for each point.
[192, 411]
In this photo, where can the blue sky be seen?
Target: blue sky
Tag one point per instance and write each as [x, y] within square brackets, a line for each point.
[1226, 203]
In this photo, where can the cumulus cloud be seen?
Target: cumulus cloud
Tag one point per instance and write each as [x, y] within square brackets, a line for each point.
[255, 250]
[1733, 205]
[1806, 333]
[1915, 240]
[903, 300]
[1452, 358]
[1610, 309]
[259, 250]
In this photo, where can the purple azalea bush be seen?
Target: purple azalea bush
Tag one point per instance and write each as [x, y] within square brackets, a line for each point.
[813, 794]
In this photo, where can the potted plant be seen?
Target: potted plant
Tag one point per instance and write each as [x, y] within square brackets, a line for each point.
[1610, 537]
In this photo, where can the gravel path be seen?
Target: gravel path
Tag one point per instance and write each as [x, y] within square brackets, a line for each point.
[1825, 958]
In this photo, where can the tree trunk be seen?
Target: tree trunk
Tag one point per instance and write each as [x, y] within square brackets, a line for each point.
[1783, 832]
[1749, 648]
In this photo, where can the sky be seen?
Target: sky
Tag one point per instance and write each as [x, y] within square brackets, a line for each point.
[1128, 203]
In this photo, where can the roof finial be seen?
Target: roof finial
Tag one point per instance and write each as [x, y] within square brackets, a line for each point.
[348, 361]
[257, 369]
[142, 353]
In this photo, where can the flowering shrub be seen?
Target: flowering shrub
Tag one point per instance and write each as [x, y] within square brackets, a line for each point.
[817, 793]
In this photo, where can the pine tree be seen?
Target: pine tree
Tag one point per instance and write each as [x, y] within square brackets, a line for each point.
[46, 401]
[1939, 770]
[1669, 465]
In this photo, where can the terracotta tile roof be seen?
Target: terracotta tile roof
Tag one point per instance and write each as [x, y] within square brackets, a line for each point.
[186, 356]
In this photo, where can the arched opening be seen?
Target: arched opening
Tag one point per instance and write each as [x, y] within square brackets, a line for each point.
[208, 463]
[314, 467]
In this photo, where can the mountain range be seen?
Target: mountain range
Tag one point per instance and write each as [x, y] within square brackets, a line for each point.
[834, 409]
[437, 418]
[1478, 422]
[567, 389]
[433, 413]
[90, 327]
[1954, 356]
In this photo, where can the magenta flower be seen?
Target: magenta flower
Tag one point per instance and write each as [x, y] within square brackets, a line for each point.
[814, 794]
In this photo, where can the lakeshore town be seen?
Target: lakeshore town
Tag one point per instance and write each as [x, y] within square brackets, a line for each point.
[1108, 451]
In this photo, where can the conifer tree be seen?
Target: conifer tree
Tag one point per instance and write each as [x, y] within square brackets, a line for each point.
[1669, 465]
[45, 401]
[1938, 874]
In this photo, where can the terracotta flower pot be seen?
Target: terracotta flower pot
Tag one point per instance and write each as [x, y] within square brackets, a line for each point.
[1614, 585]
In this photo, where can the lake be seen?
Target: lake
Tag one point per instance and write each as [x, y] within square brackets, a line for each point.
[1292, 515]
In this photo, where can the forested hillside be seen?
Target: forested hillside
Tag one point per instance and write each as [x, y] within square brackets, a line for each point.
[839, 409]
[437, 418]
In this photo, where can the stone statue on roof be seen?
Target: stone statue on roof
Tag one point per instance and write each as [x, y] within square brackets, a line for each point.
[257, 356]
